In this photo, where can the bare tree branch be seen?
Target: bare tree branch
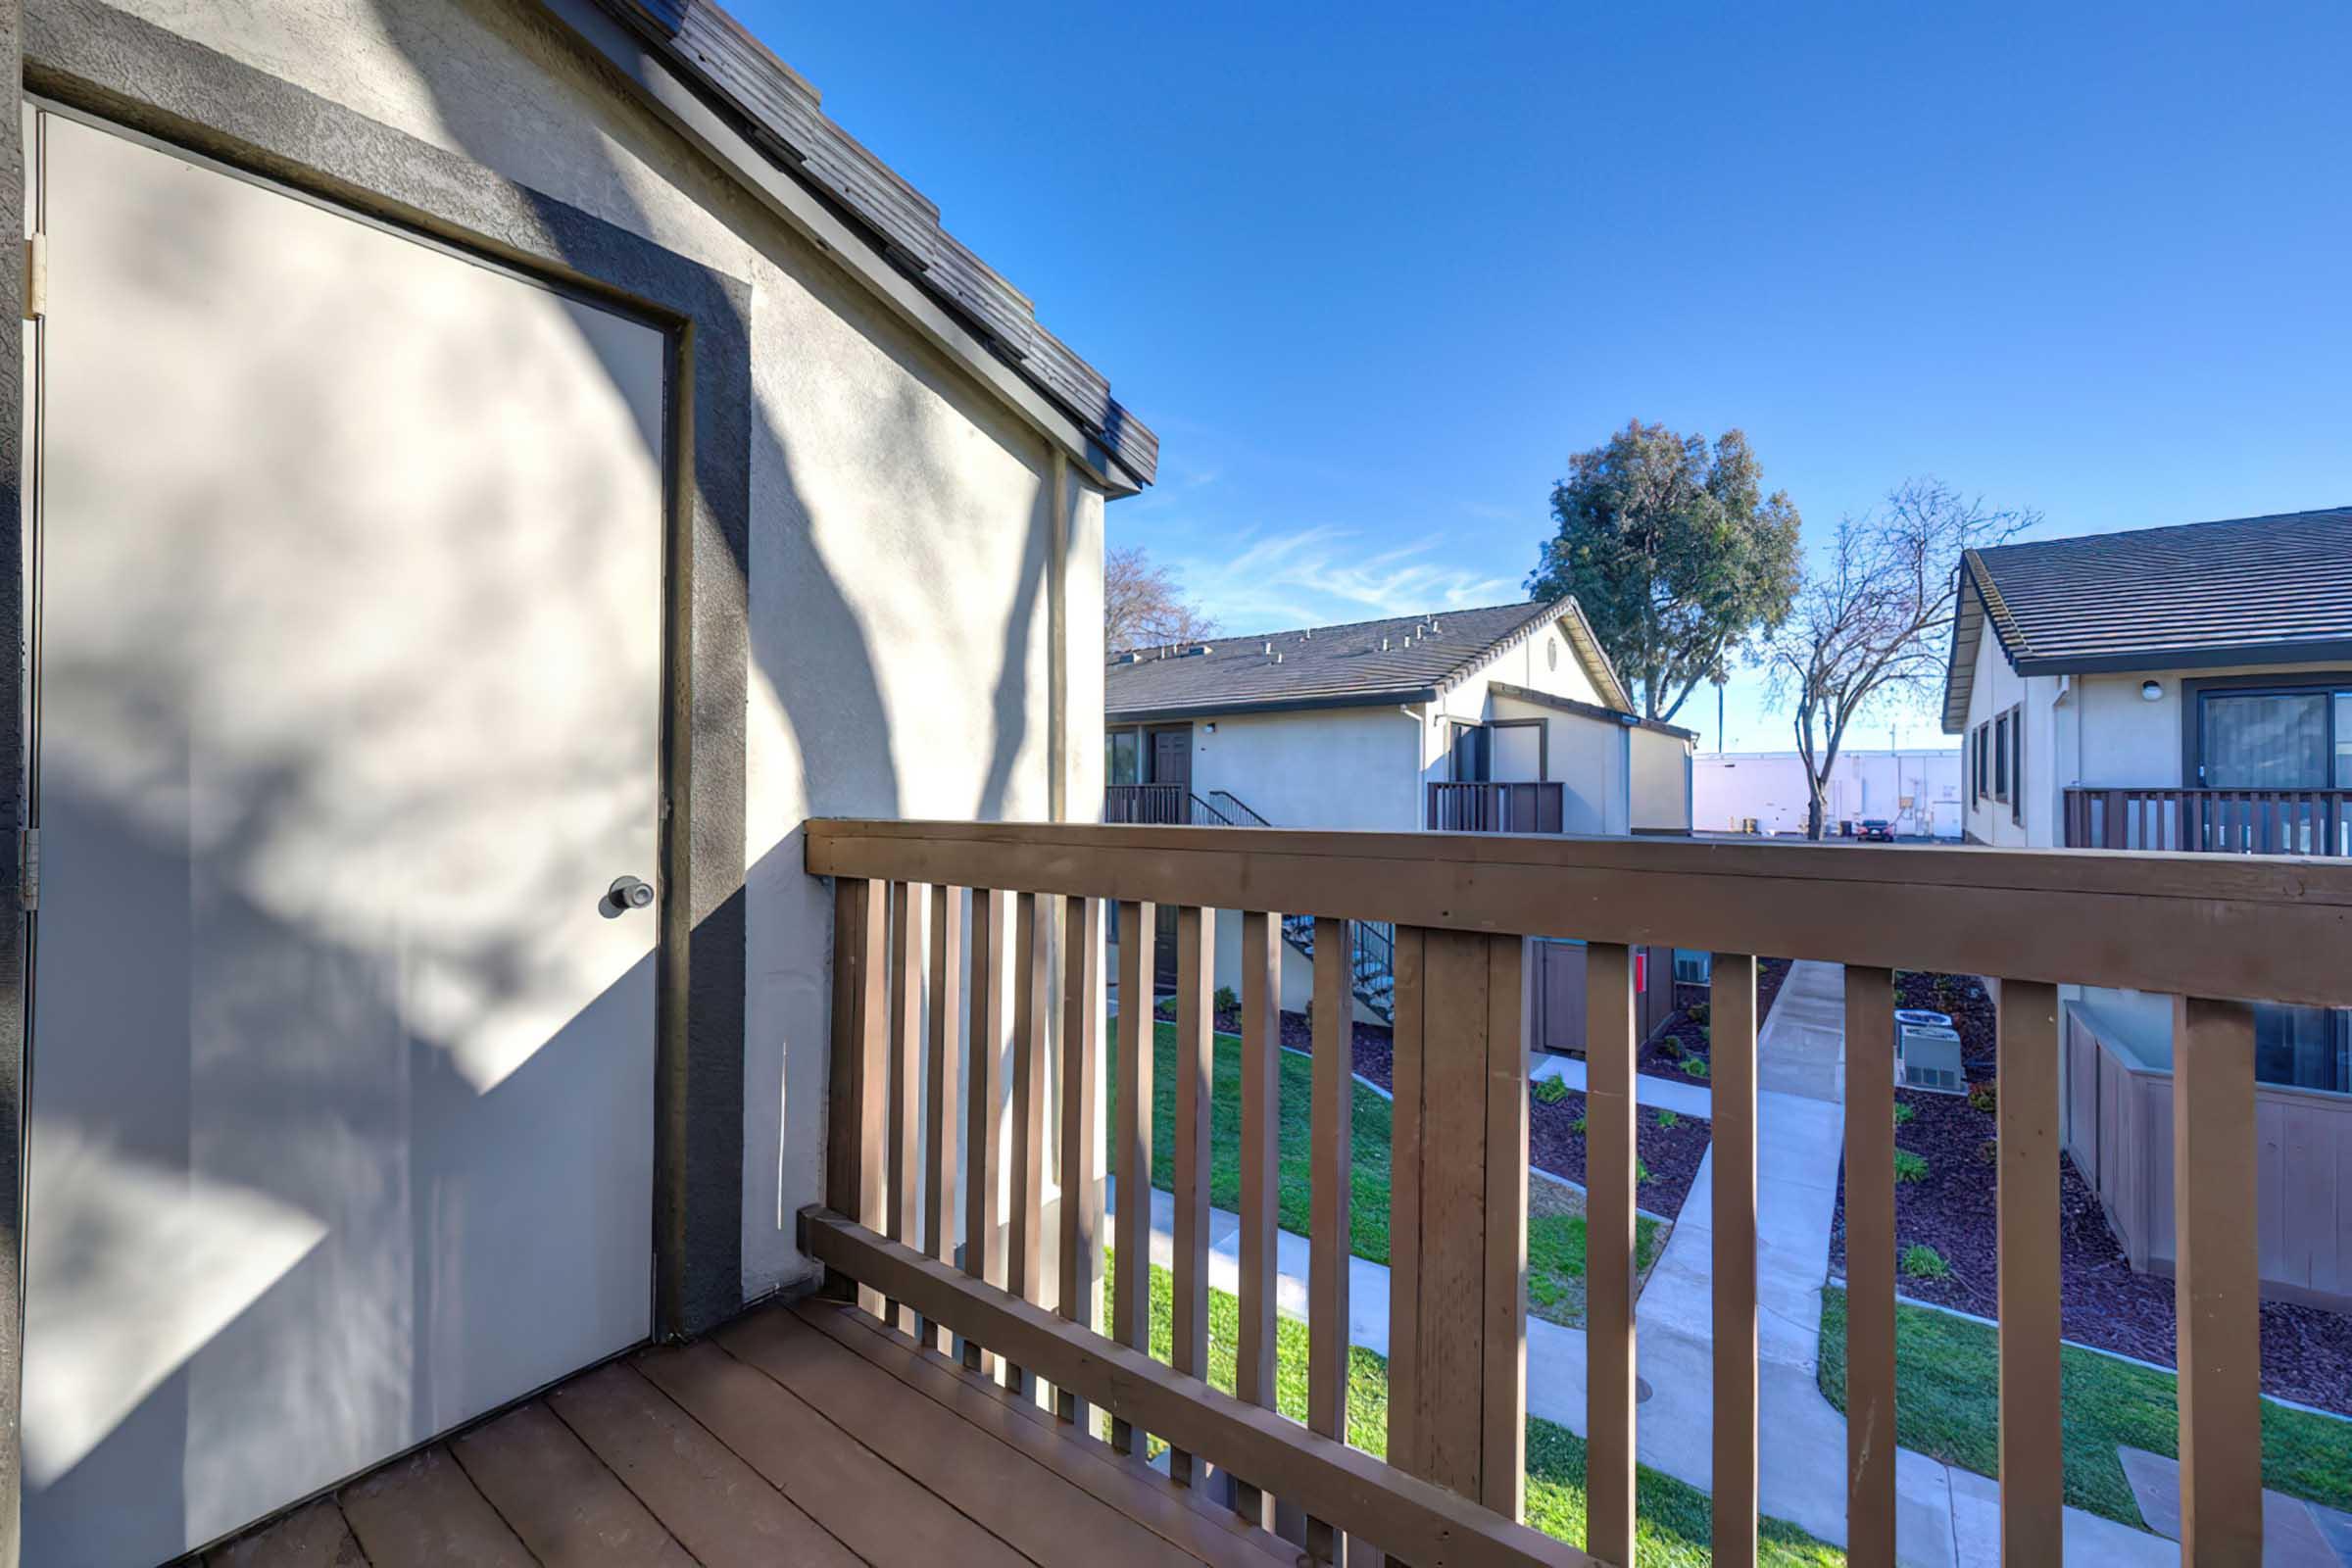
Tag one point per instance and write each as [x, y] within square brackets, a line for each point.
[1144, 604]
[1869, 629]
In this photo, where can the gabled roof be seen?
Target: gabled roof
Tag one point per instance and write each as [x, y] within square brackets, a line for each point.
[1408, 659]
[775, 114]
[2245, 590]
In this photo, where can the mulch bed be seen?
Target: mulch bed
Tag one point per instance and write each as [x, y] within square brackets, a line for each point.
[1684, 1038]
[2305, 1351]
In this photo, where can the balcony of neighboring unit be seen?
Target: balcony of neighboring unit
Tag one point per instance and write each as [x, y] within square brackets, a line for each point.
[2225, 821]
[1483, 807]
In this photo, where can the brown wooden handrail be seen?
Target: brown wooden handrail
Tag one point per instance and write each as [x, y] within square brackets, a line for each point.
[2199, 927]
[2211, 822]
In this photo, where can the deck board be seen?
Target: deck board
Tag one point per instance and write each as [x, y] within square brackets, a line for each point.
[1020, 1501]
[873, 1509]
[568, 1508]
[424, 1512]
[314, 1536]
[719, 1508]
[1204, 1530]
[803, 1434]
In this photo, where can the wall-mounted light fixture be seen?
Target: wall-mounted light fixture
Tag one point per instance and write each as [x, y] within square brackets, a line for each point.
[1208, 730]
[2151, 691]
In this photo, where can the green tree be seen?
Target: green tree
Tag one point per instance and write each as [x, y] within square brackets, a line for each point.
[1675, 553]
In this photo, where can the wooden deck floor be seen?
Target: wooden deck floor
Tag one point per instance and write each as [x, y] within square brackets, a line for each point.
[804, 1434]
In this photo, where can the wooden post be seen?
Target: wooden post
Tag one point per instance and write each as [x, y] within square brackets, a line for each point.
[984, 1089]
[1459, 1217]
[1131, 1144]
[1609, 1248]
[1262, 1180]
[1732, 998]
[2032, 1466]
[1080, 1230]
[1195, 1062]
[1032, 1007]
[901, 1219]
[1870, 1266]
[860, 1068]
[943, 1087]
[2215, 1282]
[1331, 1135]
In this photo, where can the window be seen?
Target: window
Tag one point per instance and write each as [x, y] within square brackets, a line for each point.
[2000, 757]
[2275, 740]
[1984, 751]
[2305, 1048]
[2016, 764]
[1125, 762]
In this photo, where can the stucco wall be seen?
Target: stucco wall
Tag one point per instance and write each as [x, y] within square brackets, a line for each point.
[1661, 781]
[1589, 758]
[900, 545]
[1348, 768]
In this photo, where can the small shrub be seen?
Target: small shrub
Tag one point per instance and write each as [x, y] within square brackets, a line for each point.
[1551, 1091]
[1641, 1175]
[1983, 1097]
[1923, 1262]
[1910, 1167]
[1695, 1066]
[1227, 1001]
[1700, 1011]
[1671, 1048]
[1166, 1008]
[1668, 1120]
[1989, 1152]
[1904, 1112]
[1578, 1126]
[1707, 1032]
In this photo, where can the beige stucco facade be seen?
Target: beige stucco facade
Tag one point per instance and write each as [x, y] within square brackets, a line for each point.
[904, 519]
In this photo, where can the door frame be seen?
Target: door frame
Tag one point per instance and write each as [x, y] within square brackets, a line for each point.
[130, 76]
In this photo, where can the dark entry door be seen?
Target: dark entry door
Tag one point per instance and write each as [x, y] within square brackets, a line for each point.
[1172, 757]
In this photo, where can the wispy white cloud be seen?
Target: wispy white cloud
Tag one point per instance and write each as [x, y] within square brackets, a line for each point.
[1305, 576]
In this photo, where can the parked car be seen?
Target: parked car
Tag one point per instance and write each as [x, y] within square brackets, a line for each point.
[1875, 830]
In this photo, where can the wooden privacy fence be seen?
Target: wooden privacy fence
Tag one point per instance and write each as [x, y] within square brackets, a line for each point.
[1449, 1489]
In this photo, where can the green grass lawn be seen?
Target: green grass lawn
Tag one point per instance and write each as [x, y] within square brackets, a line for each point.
[1555, 1242]
[1947, 1403]
[1673, 1527]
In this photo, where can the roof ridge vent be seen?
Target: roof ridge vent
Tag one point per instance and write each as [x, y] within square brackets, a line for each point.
[1384, 644]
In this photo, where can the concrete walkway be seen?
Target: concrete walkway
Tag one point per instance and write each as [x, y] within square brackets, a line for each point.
[1946, 1518]
[1659, 1094]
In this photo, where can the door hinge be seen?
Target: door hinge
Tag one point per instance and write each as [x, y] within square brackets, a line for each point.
[37, 276]
[28, 866]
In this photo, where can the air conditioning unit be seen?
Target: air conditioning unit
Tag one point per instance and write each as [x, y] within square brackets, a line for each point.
[1927, 1056]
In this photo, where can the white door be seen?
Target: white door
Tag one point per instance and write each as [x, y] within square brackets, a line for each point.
[348, 679]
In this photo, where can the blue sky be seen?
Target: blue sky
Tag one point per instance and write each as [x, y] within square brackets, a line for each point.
[1373, 272]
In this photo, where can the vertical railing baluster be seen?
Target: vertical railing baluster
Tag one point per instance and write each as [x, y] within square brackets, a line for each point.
[2216, 1295]
[1262, 1180]
[1195, 1067]
[858, 1094]
[942, 1098]
[1081, 1216]
[2026, 1111]
[1032, 1008]
[1870, 1266]
[1457, 1215]
[901, 1220]
[984, 1095]
[1609, 1248]
[1732, 1026]
[1131, 1143]
[1331, 1136]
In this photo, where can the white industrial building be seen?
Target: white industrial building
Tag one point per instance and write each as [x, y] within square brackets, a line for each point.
[1916, 788]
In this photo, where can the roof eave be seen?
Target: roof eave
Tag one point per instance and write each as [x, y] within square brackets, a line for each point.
[2333, 650]
[1180, 711]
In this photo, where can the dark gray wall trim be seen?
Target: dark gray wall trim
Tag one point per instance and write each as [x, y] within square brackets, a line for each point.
[1286, 705]
[2193, 709]
[93, 57]
[1569, 705]
[13, 998]
[2156, 660]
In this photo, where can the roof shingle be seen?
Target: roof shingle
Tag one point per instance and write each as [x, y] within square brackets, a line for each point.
[1403, 659]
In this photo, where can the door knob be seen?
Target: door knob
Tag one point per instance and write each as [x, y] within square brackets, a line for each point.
[627, 893]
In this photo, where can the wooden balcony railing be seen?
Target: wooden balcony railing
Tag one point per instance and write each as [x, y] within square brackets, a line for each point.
[2211, 822]
[1480, 808]
[1449, 1488]
[1153, 805]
